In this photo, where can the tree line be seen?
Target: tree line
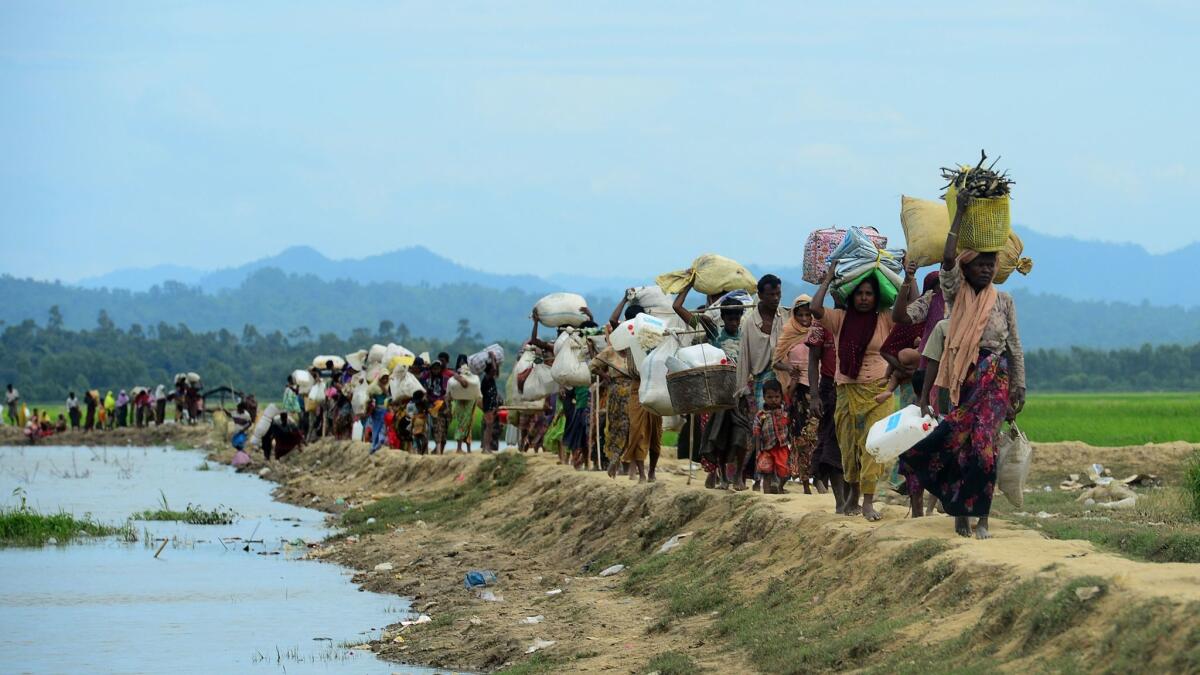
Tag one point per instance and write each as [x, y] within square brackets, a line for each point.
[45, 361]
[272, 300]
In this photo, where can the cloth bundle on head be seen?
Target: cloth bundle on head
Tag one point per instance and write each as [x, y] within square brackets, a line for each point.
[857, 257]
[968, 317]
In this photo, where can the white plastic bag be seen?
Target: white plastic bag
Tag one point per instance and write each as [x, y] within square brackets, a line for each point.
[264, 423]
[570, 368]
[317, 392]
[357, 360]
[302, 379]
[561, 309]
[479, 360]
[376, 354]
[403, 385]
[652, 392]
[322, 362]
[703, 354]
[539, 384]
[468, 392]
[1014, 455]
[358, 400]
[651, 299]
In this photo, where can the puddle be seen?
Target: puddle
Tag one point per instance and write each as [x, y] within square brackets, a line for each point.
[206, 605]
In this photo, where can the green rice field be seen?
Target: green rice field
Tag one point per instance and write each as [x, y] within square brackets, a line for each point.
[1112, 419]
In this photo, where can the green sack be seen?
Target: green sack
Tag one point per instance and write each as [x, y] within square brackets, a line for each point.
[887, 291]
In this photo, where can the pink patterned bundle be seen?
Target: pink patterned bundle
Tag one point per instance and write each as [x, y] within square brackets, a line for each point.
[822, 242]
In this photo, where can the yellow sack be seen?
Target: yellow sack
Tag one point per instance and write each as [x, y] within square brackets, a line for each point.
[926, 225]
[985, 227]
[402, 360]
[710, 273]
[1009, 259]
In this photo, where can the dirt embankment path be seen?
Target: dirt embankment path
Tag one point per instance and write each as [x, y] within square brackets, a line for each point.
[763, 583]
[167, 434]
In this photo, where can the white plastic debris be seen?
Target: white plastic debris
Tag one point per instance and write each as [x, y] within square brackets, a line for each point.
[370, 521]
[555, 591]
[673, 542]
[384, 567]
[533, 619]
[539, 644]
[615, 569]
[489, 596]
[424, 618]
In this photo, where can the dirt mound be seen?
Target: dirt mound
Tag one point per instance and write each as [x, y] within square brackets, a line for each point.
[1072, 456]
[768, 583]
[167, 434]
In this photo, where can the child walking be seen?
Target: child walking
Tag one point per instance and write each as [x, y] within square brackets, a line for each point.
[772, 436]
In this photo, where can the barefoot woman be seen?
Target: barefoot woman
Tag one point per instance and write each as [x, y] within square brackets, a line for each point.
[859, 331]
[983, 368]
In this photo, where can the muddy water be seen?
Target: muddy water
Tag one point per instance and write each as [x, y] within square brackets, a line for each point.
[219, 598]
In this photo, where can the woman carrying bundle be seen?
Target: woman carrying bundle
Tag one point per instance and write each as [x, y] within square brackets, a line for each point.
[983, 369]
[859, 331]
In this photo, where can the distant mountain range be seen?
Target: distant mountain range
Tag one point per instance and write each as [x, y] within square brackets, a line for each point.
[1074, 269]
[416, 265]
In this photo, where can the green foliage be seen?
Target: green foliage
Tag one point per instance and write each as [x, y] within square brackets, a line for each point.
[672, 663]
[192, 515]
[1112, 419]
[1163, 367]
[452, 504]
[1191, 482]
[23, 526]
[1062, 611]
[46, 363]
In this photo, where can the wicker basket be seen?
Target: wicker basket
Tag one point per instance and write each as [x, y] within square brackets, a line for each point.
[702, 390]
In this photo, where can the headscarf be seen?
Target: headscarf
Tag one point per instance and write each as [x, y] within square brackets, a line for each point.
[160, 393]
[858, 328]
[122, 398]
[968, 317]
[791, 335]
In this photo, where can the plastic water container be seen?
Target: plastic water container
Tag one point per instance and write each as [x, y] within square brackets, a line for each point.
[622, 336]
[648, 324]
[893, 435]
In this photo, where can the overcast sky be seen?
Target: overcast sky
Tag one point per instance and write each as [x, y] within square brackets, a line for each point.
[558, 137]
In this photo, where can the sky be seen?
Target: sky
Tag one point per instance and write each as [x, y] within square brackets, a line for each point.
[551, 137]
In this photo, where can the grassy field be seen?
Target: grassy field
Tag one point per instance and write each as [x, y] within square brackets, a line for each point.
[1112, 419]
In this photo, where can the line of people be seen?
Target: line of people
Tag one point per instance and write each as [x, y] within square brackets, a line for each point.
[814, 379]
[423, 422]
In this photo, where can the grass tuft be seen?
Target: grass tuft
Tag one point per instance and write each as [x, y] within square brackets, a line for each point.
[1191, 484]
[1061, 611]
[23, 526]
[671, 663]
[192, 515]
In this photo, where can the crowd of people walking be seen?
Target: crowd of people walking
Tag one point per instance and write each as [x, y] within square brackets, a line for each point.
[139, 407]
[813, 380]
